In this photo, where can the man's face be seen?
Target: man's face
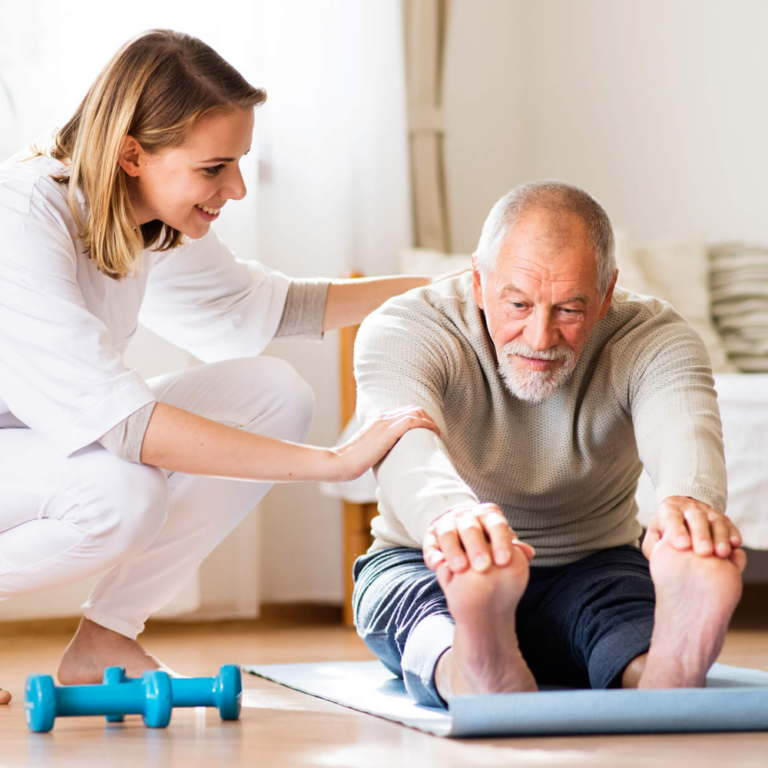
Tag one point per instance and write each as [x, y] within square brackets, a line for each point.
[541, 301]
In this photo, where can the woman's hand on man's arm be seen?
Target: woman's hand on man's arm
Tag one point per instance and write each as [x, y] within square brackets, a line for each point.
[181, 441]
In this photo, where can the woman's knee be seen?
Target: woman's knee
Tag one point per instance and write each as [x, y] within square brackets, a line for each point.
[291, 402]
[123, 503]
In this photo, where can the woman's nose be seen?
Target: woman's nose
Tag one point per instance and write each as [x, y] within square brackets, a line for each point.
[235, 188]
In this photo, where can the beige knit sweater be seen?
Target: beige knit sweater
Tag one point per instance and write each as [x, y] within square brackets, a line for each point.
[564, 471]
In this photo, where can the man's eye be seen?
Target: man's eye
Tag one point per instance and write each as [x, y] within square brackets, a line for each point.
[214, 170]
[518, 305]
[569, 311]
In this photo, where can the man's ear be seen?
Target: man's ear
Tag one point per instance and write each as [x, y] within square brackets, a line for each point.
[131, 156]
[608, 297]
[477, 283]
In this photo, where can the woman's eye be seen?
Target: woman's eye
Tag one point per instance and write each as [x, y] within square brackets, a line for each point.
[214, 170]
[518, 305]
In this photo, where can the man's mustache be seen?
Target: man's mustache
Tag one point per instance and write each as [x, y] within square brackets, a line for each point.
[521, 349]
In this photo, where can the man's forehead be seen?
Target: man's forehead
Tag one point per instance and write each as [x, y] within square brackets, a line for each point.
[520, 266]
[565, 291]
[547, 235]
[535, 250]
[570, 275]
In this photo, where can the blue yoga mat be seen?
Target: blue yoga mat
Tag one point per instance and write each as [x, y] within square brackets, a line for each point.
[735, 699]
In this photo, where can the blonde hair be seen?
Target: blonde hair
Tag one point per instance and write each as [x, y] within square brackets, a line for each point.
[154, 89]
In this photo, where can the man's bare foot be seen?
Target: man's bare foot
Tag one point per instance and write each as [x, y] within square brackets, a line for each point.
[485, 656]
[695, 598]
[93, 648]
[5, 696]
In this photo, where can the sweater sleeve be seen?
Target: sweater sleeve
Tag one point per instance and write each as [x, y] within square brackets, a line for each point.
[674, 409]
[404, 359]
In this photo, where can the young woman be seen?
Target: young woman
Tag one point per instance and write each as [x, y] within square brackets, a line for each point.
[99, 469]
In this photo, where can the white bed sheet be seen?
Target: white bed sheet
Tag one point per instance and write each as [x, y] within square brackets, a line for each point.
[743, 400]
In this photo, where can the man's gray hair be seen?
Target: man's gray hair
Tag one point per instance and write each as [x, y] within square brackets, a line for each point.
[554, 196]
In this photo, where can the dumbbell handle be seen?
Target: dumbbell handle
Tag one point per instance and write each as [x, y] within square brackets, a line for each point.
[126, 699]
[222, 691]
[187, 691]
[194, 692]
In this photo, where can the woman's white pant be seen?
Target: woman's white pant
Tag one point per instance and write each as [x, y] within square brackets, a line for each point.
[62, 519]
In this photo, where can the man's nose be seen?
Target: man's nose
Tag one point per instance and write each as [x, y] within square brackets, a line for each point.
[541, 332]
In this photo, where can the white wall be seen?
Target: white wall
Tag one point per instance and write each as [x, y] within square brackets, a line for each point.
[489, 137]
[657, 107]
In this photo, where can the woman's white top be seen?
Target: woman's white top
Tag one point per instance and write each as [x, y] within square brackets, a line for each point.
[64, 325]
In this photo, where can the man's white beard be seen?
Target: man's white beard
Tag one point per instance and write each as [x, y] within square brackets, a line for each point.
[535, 386]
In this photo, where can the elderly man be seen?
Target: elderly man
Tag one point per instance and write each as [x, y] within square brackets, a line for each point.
[506, 550]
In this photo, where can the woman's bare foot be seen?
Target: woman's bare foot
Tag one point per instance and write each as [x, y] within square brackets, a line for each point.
[93, 648]
[5, 696]
[485, 656]
[695, 598]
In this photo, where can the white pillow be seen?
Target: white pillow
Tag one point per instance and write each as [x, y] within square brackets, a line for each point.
[631, 275]
[677, 272]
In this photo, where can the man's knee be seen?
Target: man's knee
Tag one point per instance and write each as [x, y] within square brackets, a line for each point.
[121, 503]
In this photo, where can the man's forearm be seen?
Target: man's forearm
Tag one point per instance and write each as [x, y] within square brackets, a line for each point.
[184, 442]
[420, 484]
[349, 302]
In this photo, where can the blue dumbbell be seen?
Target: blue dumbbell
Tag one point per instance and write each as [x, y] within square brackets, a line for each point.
[225, 691]
[149, 697]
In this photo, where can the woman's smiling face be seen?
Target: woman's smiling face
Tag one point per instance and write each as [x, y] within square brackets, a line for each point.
[187, 186]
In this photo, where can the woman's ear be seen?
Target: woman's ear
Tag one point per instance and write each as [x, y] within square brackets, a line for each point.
[131, 156]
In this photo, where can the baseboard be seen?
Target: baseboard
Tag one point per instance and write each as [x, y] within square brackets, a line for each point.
[61, 625]
[752, 612]
[271, 615]
[302, 613]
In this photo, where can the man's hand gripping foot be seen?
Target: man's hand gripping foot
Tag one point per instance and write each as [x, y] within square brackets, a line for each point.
[696, 566]
[483, 570]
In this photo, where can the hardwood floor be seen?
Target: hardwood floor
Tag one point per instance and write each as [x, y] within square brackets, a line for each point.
[281, 728]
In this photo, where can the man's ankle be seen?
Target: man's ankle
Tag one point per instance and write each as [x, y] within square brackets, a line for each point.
[444, 676]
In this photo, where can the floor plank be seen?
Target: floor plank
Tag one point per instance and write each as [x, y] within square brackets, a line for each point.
[283, 728]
